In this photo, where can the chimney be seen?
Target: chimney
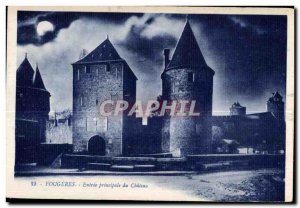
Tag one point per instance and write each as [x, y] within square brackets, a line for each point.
[83, 54]
[166, 54]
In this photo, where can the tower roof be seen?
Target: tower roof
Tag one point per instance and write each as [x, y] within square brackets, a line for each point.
[25, 73]
[237, 105]
[104, 52]
[187, 52]
[37, 80]
[277, 95]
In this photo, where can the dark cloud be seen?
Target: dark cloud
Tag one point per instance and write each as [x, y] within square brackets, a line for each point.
[27, 21]
[254, 51]
[248, 52]
[148, 48]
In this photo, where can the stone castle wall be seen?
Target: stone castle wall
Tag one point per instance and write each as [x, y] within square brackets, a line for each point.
[188, 135]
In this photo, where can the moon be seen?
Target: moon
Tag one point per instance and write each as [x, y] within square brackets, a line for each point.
[43, 27]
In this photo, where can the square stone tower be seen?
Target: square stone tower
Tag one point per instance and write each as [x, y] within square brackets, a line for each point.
[99, 76]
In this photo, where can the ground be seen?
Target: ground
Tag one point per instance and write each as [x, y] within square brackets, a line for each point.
[229, 186]
[232, 186]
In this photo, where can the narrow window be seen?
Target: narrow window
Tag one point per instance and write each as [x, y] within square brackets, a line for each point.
[86, 124]
[69, 121]
[87, 69]
[107, 68]
[190, 76]
[173, 87]
[194, 77]
[96, 101]
[81, 100]
[106, 124]
[116, 73]
[101, 124]
[78, 74]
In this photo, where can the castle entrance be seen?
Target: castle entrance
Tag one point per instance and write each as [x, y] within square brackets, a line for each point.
[96, 145]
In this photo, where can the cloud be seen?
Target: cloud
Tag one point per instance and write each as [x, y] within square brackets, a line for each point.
[28, 21]
[249, 64]
[239, 21]
[55, 57]
[148, 35]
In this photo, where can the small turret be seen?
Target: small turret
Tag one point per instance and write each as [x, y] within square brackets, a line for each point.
[275, 105]
[237, 109]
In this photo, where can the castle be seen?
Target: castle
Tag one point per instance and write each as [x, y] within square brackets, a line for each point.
[103, 75]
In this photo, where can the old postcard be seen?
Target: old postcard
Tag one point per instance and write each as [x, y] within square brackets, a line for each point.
[150, 103]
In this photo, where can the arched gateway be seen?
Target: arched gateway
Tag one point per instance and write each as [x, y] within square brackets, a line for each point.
[96, 145]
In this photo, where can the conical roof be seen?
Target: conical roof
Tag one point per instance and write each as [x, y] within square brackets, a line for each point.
[237, 104]
[25, 73]
[187, 52]
[277, 95]
[104, 52]
[37, 80]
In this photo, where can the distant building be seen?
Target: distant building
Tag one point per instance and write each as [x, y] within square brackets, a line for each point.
[32, 108]
[103, 75]
[59, 128]
[237, 110]
[275, 105]
[187, 77]
[98, 76]
[258, 132]
[227, 146]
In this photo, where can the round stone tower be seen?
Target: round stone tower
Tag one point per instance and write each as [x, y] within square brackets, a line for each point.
[187, 77]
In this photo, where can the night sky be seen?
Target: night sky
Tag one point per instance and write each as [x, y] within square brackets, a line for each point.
[248, 53]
